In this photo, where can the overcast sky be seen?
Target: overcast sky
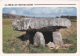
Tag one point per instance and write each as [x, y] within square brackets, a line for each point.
[41, 11]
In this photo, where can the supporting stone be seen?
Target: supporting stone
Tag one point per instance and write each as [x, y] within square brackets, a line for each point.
[39, 39]
[57, 38]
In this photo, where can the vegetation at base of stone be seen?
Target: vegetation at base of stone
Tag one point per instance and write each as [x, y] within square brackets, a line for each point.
[14, 46]
[11, 44]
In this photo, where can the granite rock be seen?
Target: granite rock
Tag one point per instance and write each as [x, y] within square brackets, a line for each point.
[42, 24]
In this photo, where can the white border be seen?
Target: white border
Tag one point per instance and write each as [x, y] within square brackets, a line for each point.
[42, 2]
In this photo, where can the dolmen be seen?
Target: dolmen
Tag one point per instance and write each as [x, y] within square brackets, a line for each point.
[35, 27]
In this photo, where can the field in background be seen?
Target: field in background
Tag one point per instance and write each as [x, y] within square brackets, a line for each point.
[69, 37]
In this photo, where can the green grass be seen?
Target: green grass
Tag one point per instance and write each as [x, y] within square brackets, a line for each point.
[8, 34]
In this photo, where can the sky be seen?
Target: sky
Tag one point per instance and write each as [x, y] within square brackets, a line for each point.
[41, 11]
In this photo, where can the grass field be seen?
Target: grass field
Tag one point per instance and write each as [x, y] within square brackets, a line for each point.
[9, 46]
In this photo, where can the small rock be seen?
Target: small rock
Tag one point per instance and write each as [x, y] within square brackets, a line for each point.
[50, 45]
[57, 46]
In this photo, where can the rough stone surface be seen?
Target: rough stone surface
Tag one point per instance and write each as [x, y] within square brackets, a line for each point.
[57, 38]
[39, 39]
[41, 24]
[50, 45]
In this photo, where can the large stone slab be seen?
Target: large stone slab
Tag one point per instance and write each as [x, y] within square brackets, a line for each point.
[40, 24]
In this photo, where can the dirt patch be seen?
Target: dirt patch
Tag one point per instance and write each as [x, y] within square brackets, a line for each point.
[65, 46]
[71, 30]
[21, 33]
[5, 23]
[16, 43]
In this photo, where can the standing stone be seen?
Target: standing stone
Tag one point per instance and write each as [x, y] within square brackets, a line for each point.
[39, 39]
[57, 38]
